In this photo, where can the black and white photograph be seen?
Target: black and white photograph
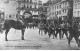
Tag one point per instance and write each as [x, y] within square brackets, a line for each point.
[39, 24]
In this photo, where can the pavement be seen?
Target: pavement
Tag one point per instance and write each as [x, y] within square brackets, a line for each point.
[34, 41]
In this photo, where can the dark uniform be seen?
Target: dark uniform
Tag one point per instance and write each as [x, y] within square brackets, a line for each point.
[74, 33]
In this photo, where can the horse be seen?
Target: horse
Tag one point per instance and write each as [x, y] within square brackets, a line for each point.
[14, 24]
[8, 24]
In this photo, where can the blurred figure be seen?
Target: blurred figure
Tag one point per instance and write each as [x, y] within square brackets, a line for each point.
[20, 17]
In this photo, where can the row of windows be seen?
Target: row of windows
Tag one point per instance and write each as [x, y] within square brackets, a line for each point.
[77, 13]
[76, 1]
[65, 4]
[28, 6]
[59, 12]
[77, 6]
[25, 1]
[57, 7]
[28, 0]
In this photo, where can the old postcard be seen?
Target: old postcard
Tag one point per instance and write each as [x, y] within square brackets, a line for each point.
[39, 24]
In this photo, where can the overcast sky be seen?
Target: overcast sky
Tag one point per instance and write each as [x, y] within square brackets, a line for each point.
[44, 1]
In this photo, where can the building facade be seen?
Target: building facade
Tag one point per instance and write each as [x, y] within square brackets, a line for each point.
[40, 7]
[58, 9]
[11, 7]
[31, 5]
[76, 12]
[45, 6]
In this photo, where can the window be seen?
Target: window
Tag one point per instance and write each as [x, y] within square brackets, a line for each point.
[75, 6]
[63, 11]
[60, 6]
[35, 6]
[78, 5]
[78, 13]
[59, 12]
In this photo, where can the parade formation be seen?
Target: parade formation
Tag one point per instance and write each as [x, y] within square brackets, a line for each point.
[52, 19]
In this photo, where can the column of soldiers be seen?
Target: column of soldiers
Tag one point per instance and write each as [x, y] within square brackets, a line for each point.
[61, 27]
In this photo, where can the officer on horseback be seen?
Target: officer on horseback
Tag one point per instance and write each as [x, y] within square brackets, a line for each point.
[21, 16]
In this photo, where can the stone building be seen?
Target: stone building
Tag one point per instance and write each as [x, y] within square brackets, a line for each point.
[76, 12]
[40, 7]
[11, 7]
[30, 5]
[58, 9]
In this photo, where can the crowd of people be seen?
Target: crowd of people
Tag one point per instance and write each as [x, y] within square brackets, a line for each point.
[51, 27]
[55, 27]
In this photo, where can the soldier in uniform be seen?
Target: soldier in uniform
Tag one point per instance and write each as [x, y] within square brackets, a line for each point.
[21, 16]
[74, 33]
